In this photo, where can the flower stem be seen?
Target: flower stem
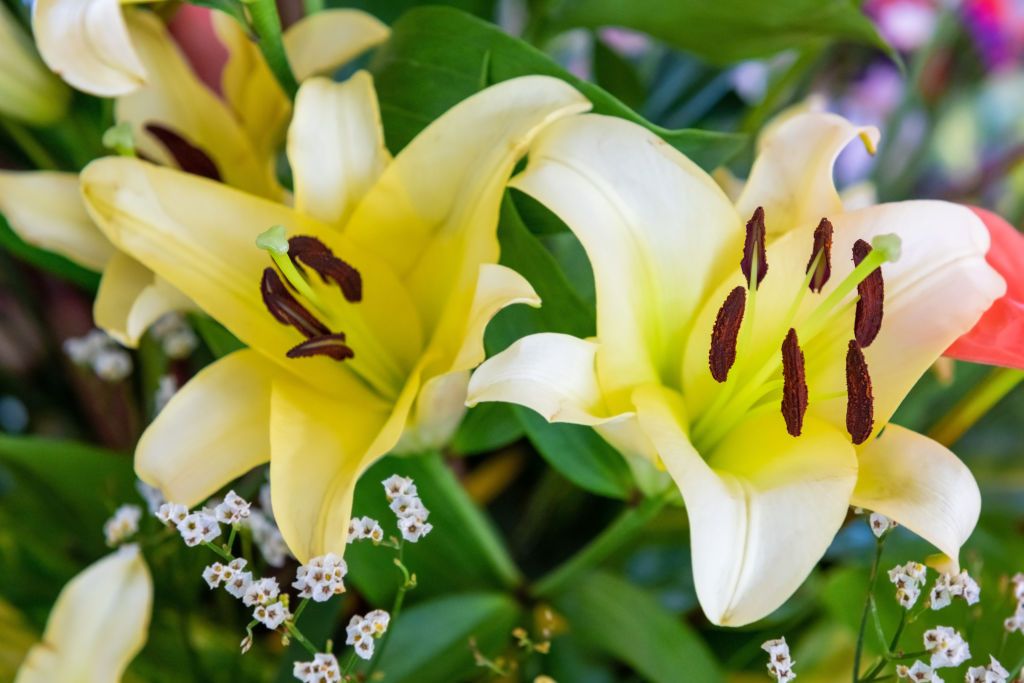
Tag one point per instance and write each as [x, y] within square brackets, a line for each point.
[974, 406]
[621, 532]
[295, 633]
[879, 545]
[408, 582]
[267, 25]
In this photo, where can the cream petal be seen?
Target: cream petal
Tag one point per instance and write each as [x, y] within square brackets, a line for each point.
[87, 43]
[214, 430]
[175, 98]
[320, 446]
[441, 195]
[552, 374]
[792, 174]
[436, 415]
[762, 510]
[124, 280]
[97, 625]
[335, 146]
[658, 232]
[45, 209]
[321, 42]
[922, 485]
[153, 302]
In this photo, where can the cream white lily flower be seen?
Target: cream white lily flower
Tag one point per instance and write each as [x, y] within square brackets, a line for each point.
[375, 291]
[762, 388]
[28, 91]
[98, 624]
[177, 121]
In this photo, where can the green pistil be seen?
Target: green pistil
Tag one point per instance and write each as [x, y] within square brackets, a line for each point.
[275, 242]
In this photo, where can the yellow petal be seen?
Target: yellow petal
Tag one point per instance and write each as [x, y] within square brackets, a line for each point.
[175, 98]
[214, 430]
[792, 175]
[922, 485]
[28, 91]
[762, 510]
[440, 197]
[200, 236]
[131, 298]
[321, 42]
[45, 209]
[97, 625]
[436, 414]
[86, 42]
[335, 146]
[320, 445]
[658, 232]
[152, 303]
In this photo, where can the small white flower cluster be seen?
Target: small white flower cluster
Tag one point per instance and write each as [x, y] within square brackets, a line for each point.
[363, 630]
[993, 673]
[175, 335]
[949, 586]
[232, 510]
[151, 494]
[262, 594]
[321, 578]
[1016, 622]
[123, 525]
[236, 582]
[365, 528]
[407, 506]
[919, 672]
[908, 579]
[946, 646]
[323, 669]
[97, 350]
[166, 388]
[268, 538]
[780, 665]
[880, 524]
[195, 527]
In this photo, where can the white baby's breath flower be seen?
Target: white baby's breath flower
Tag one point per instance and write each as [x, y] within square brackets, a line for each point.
[172, 514]
[946, 646]
[175, 335]
[166, 388]
[413, 528]
[198, 527]
[261, 592]
[152, 495]
[238, 585]
[323, 669]
[880, 524]
[949, 586]
[268, 538]
[112, 365]
[919, 672]
[123, 525]
[395, 486]
[232, 510]
[361, 528]
[272, 615]
[321, 578]
[780, 664]
[409, 506]
[908, 579]
[993, 673]
[213, 574]
[378, 621]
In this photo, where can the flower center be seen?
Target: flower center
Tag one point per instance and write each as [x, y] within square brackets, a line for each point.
[746, 387]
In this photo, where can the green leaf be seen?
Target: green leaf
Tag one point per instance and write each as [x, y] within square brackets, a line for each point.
[614, 616]
[617, 75]
[463, 552]
[389, 10]
[487, 427]
[46, 260]
[438, 56]
[726, 31]
[430, 642]
[217, 337]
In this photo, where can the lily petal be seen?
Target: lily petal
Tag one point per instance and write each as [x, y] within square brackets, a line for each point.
[174, 98]
[922, 485]
[446, 221]
[335, 146]
[86, 42]
[212, 431]
[758, 525]
[615, 183]
[97, 625]
[436, 414]
[45, 209]
[792, 174]
[998, 338]
[124, 279]
[323, 41]
[320, 446]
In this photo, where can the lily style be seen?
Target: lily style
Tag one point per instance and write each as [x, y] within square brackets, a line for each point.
[176, 120]
[754, 350]
[98, 624]
[363, 307]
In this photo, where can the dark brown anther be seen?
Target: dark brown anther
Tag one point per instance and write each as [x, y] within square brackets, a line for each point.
[311, 252]
[860, 403]
[190, 158]
[868, 320]
[285, 309]
[330, 345]
[822, 246]
[794, 386]
[754, 243]
[725, 333]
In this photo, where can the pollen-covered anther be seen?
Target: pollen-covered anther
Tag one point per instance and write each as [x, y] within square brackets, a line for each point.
[330, 345]
[286, 309]
[871, 291]
[794, 388]
[821, 256]
[860, 403]
[754, 250]
[314, 254]
[725, 333]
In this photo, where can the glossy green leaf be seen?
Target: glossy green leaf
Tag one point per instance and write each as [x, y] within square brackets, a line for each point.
[48, 261]
[217, 337]
[726, 31]
[389, 10]
[487, 427]
[618, 76]
[614, 616]
[438, 56]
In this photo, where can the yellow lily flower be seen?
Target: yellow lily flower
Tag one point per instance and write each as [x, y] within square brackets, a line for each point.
[177, 121]
[98, 624]
[28, 91]
[762, 389]
[375, 291]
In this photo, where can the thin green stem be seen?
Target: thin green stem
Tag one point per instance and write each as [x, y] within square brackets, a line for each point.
[975, 405]
[859, 650]
[300, 610]
[408, 582]
[295, 633]
[231, 538]
[225, 555]
[266, 24]
[622, 531]
[27, 143]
